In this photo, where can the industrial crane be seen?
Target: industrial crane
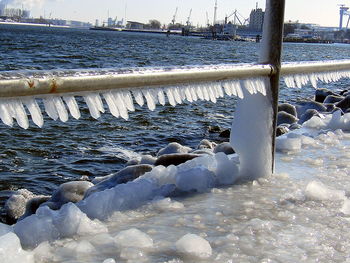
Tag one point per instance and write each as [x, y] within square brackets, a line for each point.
[344, 12]
[174, 17]
[188, 23]
[235, 13]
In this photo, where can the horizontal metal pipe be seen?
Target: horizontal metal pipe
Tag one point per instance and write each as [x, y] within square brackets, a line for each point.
[74, 84]
[45, 85]
[314, 67]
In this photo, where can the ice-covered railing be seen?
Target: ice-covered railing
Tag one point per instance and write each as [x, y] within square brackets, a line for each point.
[118, 89]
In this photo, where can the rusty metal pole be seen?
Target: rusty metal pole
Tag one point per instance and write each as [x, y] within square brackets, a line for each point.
[271, 51]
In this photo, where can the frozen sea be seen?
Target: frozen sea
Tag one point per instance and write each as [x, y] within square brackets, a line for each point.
[299, 214]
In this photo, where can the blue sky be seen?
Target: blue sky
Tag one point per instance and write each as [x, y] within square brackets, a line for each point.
[323, 12]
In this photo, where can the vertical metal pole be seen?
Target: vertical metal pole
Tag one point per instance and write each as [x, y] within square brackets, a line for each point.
[271, 50]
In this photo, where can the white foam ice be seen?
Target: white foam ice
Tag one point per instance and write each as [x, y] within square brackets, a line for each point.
[194, 245]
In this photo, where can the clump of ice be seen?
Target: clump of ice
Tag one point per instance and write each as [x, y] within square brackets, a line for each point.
[49, 225]
[109, 260]
[285, 144]
[251, 135]
[318, 191]
[11, 250]
[166, 204]
[133, 238]
[4, 229]
[197, 179]
[346, 207]
[194, 245]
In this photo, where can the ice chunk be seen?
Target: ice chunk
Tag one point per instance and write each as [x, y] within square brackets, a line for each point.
[227, 171]
[288, 144]
[346, 207]
[4, 229]
[133, 238]
[194, 245]
[72, 106]
[315, 123]
[11, 250]
[196, 179]
[109, 260]
[251, 139]
[316, 190]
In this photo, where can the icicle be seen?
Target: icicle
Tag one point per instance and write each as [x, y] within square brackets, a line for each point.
[61, 109]
[206, 92]
[239, 90]
[35, 111]
[120, 104]
[298, 81]
[188, 94]
[19, 112]
[5, 115]
[128, 100]
[248, 84]
[92, 105]
[177, 95]
[233, 88]
[72, 106]
[212, 96]
[161, 96]
[111, 103]
[149, 99]
[138, 97]
[313, 80]
[50, 108]
[169, 93]
[261, 86]
[220, 91]
[199, 92]
[98, 102]
[227, 88]
[193, 93]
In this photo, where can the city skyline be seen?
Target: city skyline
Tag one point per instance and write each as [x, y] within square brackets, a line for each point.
[322, 12]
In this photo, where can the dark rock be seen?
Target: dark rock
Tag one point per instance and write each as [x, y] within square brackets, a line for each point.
[344, 104]
[331, 99]
[286, 107]
[303, 106]
[281, 130]
[175, 158]
[224, 147]
[214, 129]
[294, 126]
[33, 204]
[68, 192]
[225, 134]
[174, 147]
[344, 92]
[206, 144]
[308, 115]
[16, 204]
[330, 107]
[125, 175]
[284, 117]
[321, 94]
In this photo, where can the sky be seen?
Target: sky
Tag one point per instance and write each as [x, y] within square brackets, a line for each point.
[322, 12]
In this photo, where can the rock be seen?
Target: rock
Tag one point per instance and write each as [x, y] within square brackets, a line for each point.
[206, 144]
[15, 206]
[284, 117]
[68, 192]
[344, 104]
[308, 115]
[294, 126]
[321, 94]
[225, 134]
[33, 204]
[303, 106]
[286, 107]
[214, 129]
[125, 175]
[174, 147]
[144, 159]
[331, 99]
[204, 151]
[344, 92]
[281, 130]
[330, 107]
[175, 158]
[224, 147]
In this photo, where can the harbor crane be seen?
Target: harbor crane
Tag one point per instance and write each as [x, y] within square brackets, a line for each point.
[174, 17]
[343, 12]
[236, 17]
[188, 23]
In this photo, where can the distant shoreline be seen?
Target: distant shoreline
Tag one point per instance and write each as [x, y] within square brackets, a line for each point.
[33, 24]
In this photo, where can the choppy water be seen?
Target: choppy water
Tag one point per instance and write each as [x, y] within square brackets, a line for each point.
[41, 159]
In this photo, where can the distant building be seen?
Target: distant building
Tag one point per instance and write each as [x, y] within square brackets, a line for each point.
[256, 19]
[134, 25]
[14, 12]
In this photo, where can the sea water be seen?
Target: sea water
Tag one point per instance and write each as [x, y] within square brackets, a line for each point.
[298, 214]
